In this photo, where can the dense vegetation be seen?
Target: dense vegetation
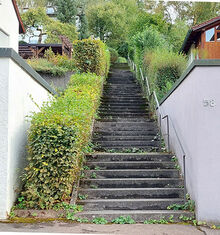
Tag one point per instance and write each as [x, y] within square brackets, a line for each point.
[60, 133]
[55, 65]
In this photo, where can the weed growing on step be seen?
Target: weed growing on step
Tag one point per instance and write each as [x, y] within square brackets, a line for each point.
[99, 220]
[174, 159]
[82, 197]
[123, 220]
[97, 168]
[160, 221]
[189, 205]
[65, 206]
[82, 175]
[93, 175]
[93, 186]
[86, 168]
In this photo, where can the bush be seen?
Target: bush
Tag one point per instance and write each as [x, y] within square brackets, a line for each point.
[58, 139]
[45, 66]
[121, 60]
[91, 56]
[114, 55]
[163, 69]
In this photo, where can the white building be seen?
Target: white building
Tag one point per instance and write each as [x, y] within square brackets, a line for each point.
[10, 24]
[18, 81]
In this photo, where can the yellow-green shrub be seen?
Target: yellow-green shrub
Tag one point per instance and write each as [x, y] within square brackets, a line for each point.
[91, 56]
[163, 68]
[58, 139]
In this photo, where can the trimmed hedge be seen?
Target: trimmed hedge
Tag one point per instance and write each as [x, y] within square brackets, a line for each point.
[58, 139]
[113, 55]
[91, 56]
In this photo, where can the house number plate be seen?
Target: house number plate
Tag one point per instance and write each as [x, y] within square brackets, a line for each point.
[209, 103]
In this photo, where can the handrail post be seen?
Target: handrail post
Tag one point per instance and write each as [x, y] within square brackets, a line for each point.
[184, 175]
[168, 132]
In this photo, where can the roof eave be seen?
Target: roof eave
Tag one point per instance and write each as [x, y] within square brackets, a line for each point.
[185, 41]
[21, 25]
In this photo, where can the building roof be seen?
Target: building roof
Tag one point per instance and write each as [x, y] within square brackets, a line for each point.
[21, 25]
[195, 32]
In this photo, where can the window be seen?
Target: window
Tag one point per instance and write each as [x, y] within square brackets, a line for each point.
[210, 35]
[218, 37]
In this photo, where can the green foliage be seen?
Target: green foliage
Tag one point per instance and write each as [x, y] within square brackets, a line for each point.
[82, 197]
[83, 29]
[66, 11]
[36, 19]
[154, 221]
[121, 60]
[114, 55]
[99, 220]
[123, 220]
[52, 64]
[58, 139]
[91, 56]
[177, 34]
[189, 205]
[56, 28]
[164, 67]
[45, 66]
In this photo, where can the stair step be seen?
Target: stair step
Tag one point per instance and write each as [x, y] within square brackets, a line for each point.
[132, 148]
[125, 138]
[132, 193]
[133, 183]
[132, 173]
[137, 127]
[135, 115]
[125, 120]
[129, 204]
[132, 165]
[136, 215]
[128, 143]
[129, 157]
[127, 133]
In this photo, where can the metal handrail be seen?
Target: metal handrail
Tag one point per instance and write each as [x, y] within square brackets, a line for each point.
[160, 125]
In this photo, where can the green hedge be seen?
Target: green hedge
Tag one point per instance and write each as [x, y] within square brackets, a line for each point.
[58, 139]
[164, 68]
[91, 56]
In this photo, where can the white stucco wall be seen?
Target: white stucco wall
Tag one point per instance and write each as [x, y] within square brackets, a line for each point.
[16, 85]
[9, 24]
[198, 127]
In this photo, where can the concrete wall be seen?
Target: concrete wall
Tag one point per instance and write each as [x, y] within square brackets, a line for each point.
[17, 82]
[193, 106]
[9, 24]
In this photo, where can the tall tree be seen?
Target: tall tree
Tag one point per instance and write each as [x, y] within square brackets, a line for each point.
[66, 11]
[38, 24]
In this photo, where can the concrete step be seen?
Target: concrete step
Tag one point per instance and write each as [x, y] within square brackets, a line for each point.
[128, 115]
[122, 112]
[132, 165]
[126, 124]
[133, 173]
[136, 215]
[127, 133]
[125, 127]
[125, 120]
[132, 193]
[131, 149]
[128, 143]
[121, 106]
[133, 183]
[129, 204]
[125, 138]
[129, 157]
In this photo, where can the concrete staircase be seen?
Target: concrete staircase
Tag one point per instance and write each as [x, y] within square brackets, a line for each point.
[117, 181]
